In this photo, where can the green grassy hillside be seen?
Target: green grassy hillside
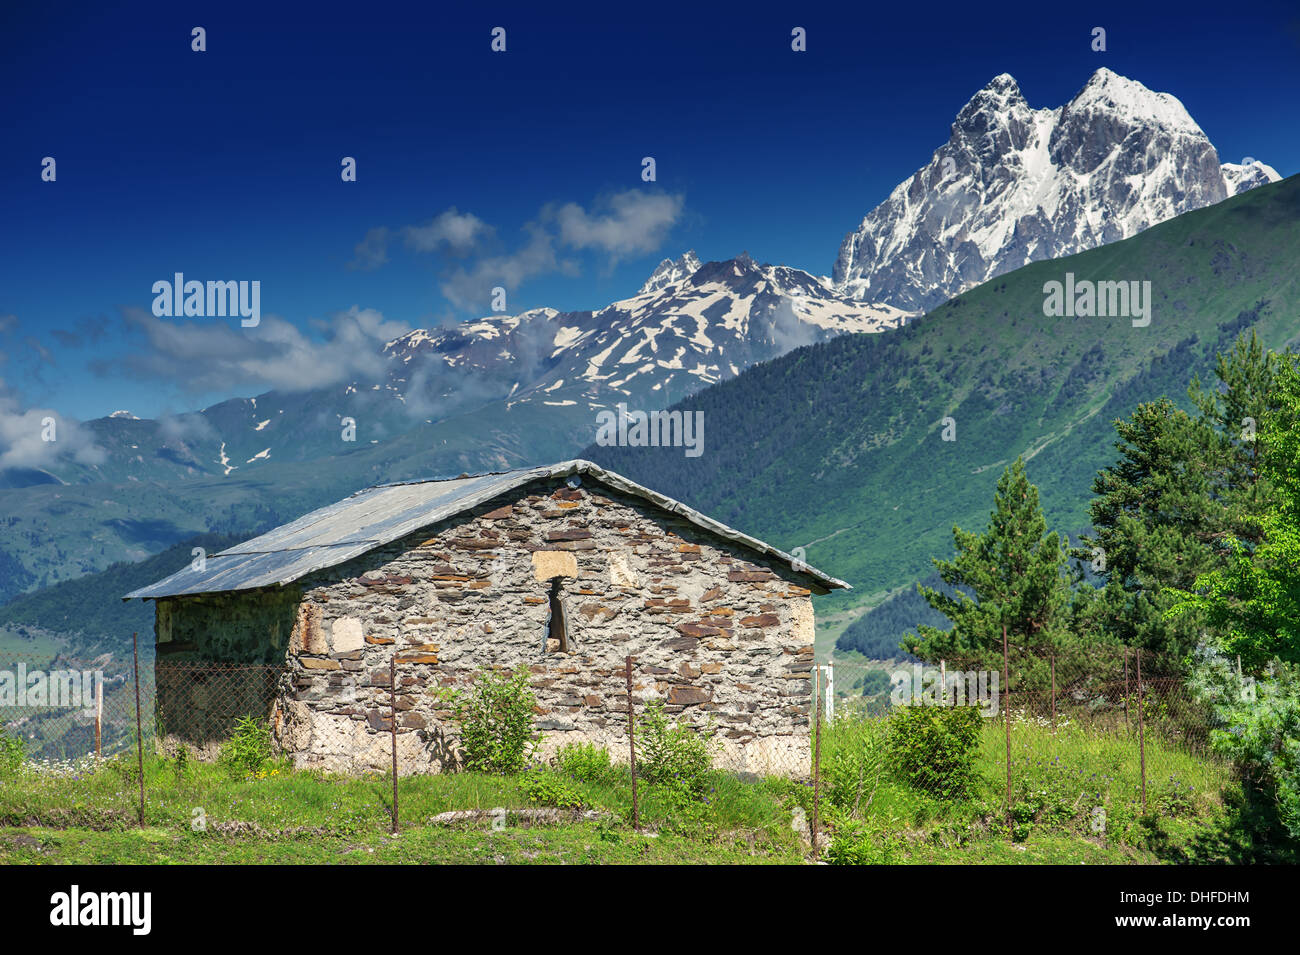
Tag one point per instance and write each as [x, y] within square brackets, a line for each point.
[87, 616]
[1063, 778]
[838, 447]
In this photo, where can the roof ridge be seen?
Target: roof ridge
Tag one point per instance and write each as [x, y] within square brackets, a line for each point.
[466, 476]
[311, 541]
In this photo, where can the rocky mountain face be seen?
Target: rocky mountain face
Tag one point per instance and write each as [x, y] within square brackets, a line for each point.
[689, 326]
[1015, 185]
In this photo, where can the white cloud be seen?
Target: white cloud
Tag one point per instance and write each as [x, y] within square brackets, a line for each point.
[459, 232]
[185, 427]
[470, 287]
[23, 434]
[372, 251]
[627, 223]
[214, 356]
[636, 222]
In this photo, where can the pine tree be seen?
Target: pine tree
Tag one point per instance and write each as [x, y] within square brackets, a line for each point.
[1018, 575]
[1246, 396]
[1155, 517]
[1183, 487]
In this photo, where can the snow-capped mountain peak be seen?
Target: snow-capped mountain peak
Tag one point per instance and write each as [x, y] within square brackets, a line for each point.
[1000, 96]
[1239, 177]
[1108, 93]
[671, 272]
[1015, 184]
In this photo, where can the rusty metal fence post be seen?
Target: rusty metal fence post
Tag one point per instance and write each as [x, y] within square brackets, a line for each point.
[817, 757]
[1006, 720]
[1053, 663]
[1142, 743]
[392, 700]
[139, 731]
[631, 744]
[99, 716]
[1127, 729]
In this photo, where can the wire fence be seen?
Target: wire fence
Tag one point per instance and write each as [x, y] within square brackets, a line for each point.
[1131, 713]
[77, 716]
[1114, 730]
[65, 710]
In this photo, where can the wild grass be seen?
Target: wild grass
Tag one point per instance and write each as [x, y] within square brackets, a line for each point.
[1066, 778]
[184, 794]
[1076, 797]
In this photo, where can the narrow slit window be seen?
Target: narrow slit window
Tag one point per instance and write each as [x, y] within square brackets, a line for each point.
[557, 636]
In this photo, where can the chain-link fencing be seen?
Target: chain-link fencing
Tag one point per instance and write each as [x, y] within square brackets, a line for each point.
[1090, 735]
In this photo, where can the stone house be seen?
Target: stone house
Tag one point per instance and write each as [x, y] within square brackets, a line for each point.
[566, 570]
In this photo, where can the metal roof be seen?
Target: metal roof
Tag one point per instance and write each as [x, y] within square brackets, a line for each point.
[379, 515]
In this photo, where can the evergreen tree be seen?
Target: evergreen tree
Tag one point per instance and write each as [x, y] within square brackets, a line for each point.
[1018, 576]
[1183, 486]
[1155, 516]
[1246, 396]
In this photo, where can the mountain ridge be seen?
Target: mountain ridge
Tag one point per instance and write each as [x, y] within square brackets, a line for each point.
[1014, 185]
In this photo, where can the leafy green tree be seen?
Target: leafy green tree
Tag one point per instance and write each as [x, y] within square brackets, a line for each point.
[1246, 396]
[1252, 601]
[1015, 573]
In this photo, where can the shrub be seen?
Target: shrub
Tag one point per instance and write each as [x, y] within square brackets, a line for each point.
[1257, 726]
[496, 722]
[673, 753]
[12, 750]
[875, 682]
[934, 747]
[182, 762]
[585, 762]
[856, 843]
[551, 789]
[1023, 811]
[853, 761]
[248, 749]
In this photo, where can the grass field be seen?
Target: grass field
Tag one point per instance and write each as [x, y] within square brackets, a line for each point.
[584, 843]
[1076, 799]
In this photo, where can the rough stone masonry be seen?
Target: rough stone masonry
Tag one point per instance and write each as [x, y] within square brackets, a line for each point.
[722, 635]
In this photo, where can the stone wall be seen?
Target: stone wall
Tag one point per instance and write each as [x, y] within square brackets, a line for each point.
[717, 633]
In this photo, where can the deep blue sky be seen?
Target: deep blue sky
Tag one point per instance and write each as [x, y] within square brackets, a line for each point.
[225, 164]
